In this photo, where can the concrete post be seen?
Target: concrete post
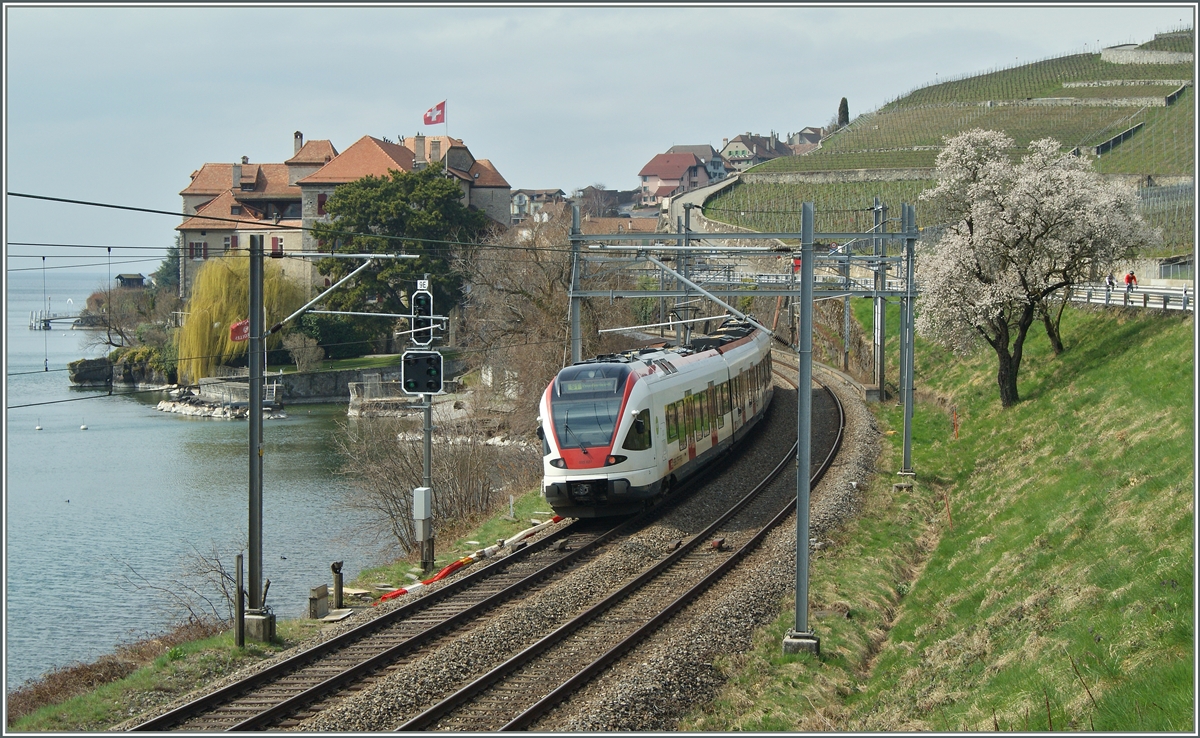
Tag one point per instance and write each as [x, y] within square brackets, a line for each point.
[256, 421]
[239, 604]
[880, 215]
[428, 555]
[801, 638]
[846, 313]
[909, 330]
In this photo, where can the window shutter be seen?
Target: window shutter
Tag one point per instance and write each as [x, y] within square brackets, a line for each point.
[205, 249]
[233, 244]
[274, 244]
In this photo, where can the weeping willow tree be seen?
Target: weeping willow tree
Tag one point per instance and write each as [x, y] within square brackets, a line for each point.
[220, 298]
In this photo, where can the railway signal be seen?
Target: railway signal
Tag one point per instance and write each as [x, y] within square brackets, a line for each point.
[422, 321]
[421, 372]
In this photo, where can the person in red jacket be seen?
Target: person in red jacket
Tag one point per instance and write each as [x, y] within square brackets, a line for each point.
[1130, 282]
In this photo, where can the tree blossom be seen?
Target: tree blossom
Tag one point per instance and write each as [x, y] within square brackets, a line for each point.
[1015, 239]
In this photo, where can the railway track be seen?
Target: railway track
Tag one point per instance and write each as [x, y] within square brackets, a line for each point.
[515, 694]
[287, 691]
[295, 689]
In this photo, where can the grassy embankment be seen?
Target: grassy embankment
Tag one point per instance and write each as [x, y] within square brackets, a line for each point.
[138, 677]
[1038, 575]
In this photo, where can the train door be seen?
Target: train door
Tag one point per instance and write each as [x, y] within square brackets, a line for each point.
[735, 383]
[713, 415]
[690, 421]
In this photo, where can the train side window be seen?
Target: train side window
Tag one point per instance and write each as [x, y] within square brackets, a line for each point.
[672, 425]
[638, 440]
[702, 406]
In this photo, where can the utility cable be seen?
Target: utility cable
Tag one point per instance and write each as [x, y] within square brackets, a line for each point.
[81, 266]
[281, 226]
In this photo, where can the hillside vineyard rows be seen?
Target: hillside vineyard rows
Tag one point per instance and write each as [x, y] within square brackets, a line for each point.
[1136, 134]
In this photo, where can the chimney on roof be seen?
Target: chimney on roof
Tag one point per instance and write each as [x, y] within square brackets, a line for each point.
[435, 149]
[237, 175]
[245, 160]
[298, 142]
[724, 142]
[419, 149]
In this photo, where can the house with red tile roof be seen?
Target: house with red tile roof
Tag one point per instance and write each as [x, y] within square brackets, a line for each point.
[748, 149]
[671, 174]
[711, 159]
[227, 203]
[482, 185]
[608, 226]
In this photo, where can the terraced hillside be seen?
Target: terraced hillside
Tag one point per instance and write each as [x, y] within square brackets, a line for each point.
[1129, 119]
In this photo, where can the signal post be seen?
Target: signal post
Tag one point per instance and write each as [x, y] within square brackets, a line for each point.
[421, 374]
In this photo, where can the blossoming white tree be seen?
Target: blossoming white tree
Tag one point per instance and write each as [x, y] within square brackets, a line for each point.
[1016, 238]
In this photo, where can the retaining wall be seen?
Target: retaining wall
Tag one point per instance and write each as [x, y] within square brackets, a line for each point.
[300, 388]
[1132, 55]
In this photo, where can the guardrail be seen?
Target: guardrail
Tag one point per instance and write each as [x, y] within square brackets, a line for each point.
[1156, 298]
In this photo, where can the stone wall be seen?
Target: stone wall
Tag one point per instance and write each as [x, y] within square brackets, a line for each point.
[1130, 54]
[299, 388]
[843, 175]
[99, 373]
[495, 201]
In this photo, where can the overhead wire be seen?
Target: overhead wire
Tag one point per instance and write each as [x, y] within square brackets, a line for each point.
[82, 266]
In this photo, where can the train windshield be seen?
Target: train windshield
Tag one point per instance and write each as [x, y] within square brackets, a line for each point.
[586, 404]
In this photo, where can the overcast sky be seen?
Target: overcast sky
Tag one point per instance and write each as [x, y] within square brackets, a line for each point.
[121, 104]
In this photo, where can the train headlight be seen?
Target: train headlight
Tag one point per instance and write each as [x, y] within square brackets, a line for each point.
[614, 460]
[558, 463]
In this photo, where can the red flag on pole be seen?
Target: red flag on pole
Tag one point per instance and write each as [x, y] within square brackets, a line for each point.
[436, 114]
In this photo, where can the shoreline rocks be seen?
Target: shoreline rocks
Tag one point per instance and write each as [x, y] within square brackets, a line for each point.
[196, 407]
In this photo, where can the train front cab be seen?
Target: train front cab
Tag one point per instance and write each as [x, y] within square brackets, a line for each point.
[588, 472]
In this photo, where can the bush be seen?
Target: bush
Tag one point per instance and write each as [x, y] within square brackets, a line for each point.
[343, 337]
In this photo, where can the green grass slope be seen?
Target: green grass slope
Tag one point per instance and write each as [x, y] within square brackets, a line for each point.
[1039, 573]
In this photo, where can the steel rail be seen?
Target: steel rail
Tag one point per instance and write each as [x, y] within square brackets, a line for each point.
[215, 700]
[466, 693]
[366, 630]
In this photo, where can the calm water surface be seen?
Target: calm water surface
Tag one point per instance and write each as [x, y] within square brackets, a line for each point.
[137, 491]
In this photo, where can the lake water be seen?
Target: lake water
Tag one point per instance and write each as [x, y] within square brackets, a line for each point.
[137, 491]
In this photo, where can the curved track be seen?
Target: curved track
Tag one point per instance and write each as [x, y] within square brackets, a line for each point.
[513, 695]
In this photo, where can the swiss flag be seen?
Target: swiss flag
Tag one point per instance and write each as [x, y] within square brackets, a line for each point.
[436, 114]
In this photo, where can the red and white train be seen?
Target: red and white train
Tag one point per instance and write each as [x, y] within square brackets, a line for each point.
[623, 429]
